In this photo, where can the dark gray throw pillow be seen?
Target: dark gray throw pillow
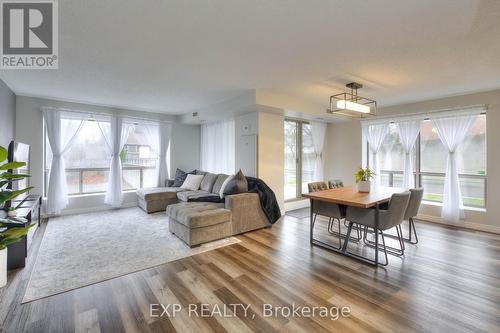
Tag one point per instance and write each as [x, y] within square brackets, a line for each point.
[180, 177]
[238, 184]
[208, 182]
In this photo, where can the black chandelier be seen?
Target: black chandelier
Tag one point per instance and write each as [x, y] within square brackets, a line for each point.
[351, 104]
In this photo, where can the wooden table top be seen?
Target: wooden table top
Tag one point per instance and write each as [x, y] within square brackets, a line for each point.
[350, 196]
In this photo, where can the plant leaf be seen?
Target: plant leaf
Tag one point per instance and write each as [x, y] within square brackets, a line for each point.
[12, 235]
[12, 165]
[9, 175]
[4, 182]
[6, 195]
[3, 154]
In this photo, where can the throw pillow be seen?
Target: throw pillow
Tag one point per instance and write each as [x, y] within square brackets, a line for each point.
[192, 182]
[208, 182]
[218, 183]
[180, 177]
[223, 187]
[238, 184]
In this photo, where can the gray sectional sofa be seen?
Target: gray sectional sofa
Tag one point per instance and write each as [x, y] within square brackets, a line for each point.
[156, 199]
[200, 222]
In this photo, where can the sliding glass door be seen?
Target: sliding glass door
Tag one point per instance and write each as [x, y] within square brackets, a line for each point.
[299, 158]
[291, 159]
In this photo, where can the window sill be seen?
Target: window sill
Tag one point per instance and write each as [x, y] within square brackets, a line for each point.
[83, 195]
[438, 204]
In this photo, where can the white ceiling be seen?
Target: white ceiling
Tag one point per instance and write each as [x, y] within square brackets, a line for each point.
[179, 56]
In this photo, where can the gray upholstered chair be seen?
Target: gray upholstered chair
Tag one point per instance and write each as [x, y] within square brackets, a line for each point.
[412, 210]
[332, 211]
[335, 183]
[317, 186]
[390, 218]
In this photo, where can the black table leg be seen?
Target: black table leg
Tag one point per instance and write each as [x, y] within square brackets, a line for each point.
[311, 226]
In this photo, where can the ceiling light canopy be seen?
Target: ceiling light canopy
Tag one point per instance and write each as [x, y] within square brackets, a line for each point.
[351, 104]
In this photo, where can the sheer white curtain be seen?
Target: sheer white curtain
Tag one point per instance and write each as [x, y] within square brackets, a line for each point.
[375, 134]
[115, 132]
[408, 133]
[60, 138]
[217, 147]
[452, 132]
[158, 138]
[318, 131]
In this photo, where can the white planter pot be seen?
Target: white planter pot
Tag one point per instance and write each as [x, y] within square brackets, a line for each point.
[364, 186]
[3, 267]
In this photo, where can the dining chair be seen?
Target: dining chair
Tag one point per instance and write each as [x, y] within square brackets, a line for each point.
[334, 212]
[336, 183]
[330, 210]
[411, 212]
[388, 218]
[317, 186]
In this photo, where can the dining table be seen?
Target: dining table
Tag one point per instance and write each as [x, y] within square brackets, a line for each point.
[350, 196]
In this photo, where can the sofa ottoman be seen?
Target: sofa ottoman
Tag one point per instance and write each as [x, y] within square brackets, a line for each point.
[199, 222]
[156, 199]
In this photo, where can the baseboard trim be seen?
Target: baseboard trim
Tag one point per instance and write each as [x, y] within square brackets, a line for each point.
[91, 209]
[462, 225]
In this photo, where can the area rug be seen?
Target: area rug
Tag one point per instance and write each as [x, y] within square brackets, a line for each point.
[79, 250]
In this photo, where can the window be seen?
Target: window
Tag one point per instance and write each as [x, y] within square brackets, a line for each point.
[430, 158]
[299, 158]
[291, 159]
[308, 157]
[87, 161]
[391, 159]
[471, 164]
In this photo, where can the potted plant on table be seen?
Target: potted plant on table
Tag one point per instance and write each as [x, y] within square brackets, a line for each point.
[363, 178]
[9, 235]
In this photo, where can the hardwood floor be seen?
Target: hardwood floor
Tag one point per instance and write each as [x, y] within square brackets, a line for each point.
[449, 282]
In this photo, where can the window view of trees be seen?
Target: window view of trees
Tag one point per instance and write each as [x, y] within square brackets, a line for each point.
[298, 143]
[430, 156]
[392, 157]
[87, 161]
[308, 157]
[291, 159]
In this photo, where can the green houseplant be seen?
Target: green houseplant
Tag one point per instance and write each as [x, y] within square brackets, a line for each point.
[363, 178]
[11, 235]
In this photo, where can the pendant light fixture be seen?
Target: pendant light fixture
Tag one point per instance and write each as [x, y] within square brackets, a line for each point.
[351, 104]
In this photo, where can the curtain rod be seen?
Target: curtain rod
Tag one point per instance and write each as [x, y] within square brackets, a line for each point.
[105, 114]
[426, 115]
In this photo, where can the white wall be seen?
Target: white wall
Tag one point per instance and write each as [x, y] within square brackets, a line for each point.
[271, 154]
[344, 153]
[29, 129]
[184, 148]
[7, 114]
[246, 133]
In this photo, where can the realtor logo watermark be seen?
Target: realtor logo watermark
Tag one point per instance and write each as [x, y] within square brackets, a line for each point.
[29, 35]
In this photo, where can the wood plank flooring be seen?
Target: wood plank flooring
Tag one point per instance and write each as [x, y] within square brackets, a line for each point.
[449, 282]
